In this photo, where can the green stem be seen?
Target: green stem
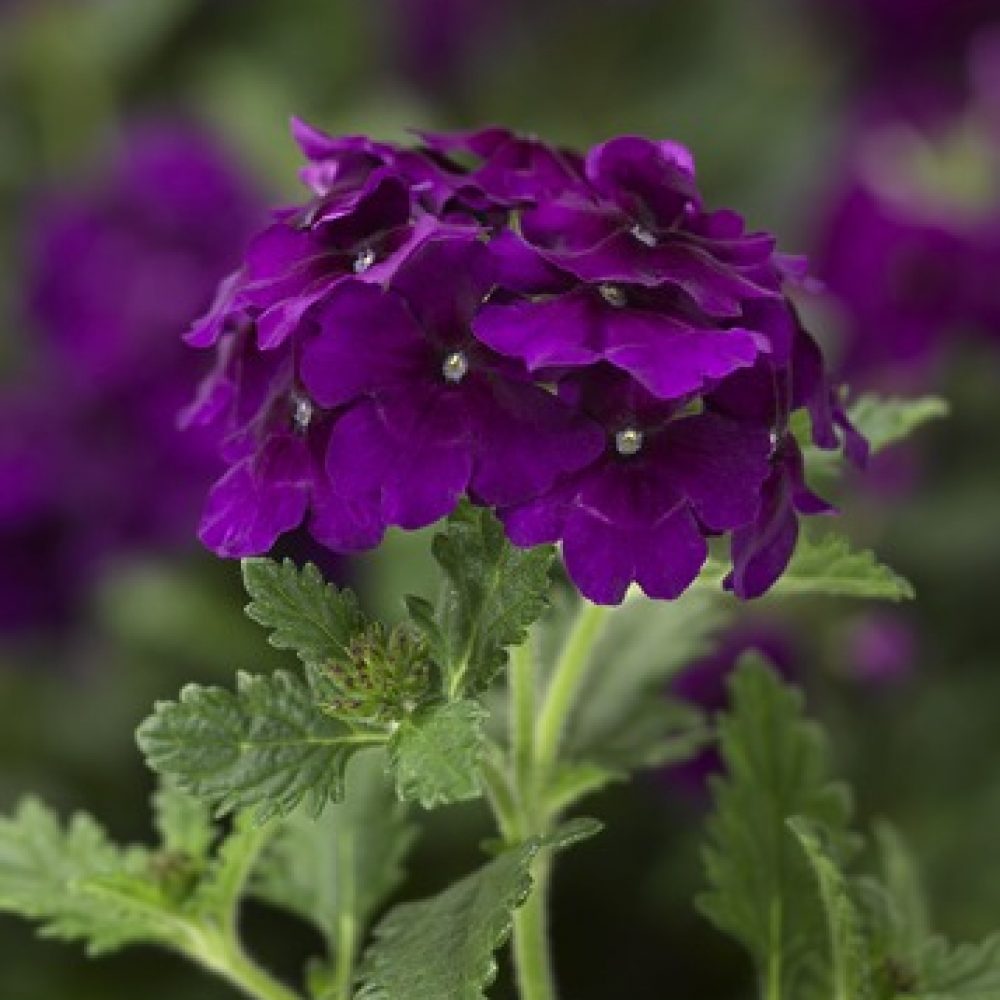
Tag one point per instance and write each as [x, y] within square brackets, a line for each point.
[562, 691]
[773, 975]
[500, 795]
[347, 927]
[532, 959]
[522, 720]
[229, 961]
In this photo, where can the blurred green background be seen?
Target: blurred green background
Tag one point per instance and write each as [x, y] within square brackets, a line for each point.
[764, 93]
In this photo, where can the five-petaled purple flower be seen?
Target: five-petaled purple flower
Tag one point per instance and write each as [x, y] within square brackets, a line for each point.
[573, 341]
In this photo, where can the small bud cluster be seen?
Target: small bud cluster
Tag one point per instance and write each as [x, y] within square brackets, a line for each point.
[385, 676]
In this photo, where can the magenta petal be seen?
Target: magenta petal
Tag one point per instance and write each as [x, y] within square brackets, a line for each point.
[599, 556]
[539, 521]
[669, 557]
[719, 465]
[671, 358]
[525, 438]
[444, 282]
[762, 550]
[563, 331]
[345, 523]
[368, 340]
[207, 330]
[259, 499]
[406, 453]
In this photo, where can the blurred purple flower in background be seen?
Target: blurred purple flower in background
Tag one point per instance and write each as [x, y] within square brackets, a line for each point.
[92, 461]
[436, 42]
[910, 243]
[878, 647]
[705, 684]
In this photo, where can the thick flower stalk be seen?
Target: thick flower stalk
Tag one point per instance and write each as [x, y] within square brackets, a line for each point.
[574, 341]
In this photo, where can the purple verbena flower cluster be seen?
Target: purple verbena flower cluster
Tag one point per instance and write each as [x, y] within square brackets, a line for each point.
[574, 341]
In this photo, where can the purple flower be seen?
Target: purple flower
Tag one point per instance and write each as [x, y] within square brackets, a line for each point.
[429, 413]
[573, 341]
[910, 244]
[914, 49]
[705, 684]
[640, 512]
[91, 459]
[880, 648]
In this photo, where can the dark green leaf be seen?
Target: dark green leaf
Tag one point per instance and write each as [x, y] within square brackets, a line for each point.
[444, 947]
[963, 972]
[493, 592]
[435, 753]
[267, 746]
[303, 612]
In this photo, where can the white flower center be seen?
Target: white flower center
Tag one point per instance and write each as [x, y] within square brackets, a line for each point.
[643, 235]
[364, 260]
[302, 413]
[613, 295]
[629, 441]
[455, 367]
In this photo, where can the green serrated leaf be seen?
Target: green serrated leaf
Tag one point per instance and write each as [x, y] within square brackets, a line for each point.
[218, 891]
[828, 566]
[435, 753]
[886, 421]
[493, 592]
[266, 746]
[909, 919]
[183, 822]
[572, 832]
[46, 870]
[883, 422]
[963, 972]
[761, 887]
[850, 974]
[626, 721]
[303, 612]
[444, 946]
[336, 870]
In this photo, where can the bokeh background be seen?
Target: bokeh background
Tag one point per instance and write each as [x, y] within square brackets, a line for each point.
[140, 143]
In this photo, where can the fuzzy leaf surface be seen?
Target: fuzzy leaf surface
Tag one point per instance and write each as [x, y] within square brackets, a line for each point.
[493, 593]
[886, 421]
[829, 566]
[303, 612]
[266, 746]
[340, 867]
[435, 752]
[850, 973]
[46, 870]
[183, 822]
[444, 946]
[961, 972]
[762, 890]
